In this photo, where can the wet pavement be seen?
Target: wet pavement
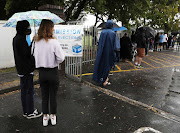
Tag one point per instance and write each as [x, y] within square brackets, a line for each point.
[135, 99]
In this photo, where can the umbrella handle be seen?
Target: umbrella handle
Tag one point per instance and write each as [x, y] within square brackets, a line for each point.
[34, 27]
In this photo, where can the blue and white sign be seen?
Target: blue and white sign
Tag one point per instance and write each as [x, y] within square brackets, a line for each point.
[70, 38]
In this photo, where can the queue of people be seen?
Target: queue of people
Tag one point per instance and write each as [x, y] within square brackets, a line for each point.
[31, 57]
[108, 42]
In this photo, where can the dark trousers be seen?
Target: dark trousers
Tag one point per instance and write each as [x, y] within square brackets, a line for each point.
[27, 93]
[155, 46]
[49, 83]
[164, 45]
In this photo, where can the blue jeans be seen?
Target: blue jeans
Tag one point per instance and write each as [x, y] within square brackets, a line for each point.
[27, 93]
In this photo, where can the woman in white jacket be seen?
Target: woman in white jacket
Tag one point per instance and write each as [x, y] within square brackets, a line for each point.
[165, 39]
[48, 54]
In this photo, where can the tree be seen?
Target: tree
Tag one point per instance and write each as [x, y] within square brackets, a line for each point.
[13, 6]
[163, 14]
[3, 12]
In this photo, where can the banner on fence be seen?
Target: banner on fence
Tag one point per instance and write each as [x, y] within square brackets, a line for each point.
[70, 38]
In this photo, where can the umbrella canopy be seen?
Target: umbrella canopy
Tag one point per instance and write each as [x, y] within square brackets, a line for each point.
[149, 31]
[119, 29]
[33, 17]
[175, 32]
[103, 25]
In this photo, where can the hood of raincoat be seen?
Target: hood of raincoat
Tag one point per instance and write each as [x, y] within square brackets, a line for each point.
[22, 27]
[109, 24]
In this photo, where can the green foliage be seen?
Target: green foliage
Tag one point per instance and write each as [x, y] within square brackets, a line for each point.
[13, 6]
[2, 10]
[162, 14]
[158, 13]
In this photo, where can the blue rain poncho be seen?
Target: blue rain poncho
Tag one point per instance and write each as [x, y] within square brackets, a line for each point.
[105, 59]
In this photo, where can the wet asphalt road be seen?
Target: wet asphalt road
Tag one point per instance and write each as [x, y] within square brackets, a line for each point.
[83, 109]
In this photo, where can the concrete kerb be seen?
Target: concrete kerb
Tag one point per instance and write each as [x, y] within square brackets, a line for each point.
[14, 88]
[134, 102]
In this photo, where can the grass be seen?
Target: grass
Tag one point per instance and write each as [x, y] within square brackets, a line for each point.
[88, 40]
[5, 70]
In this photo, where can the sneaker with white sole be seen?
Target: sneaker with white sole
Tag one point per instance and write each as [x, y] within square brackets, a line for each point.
[53, 119]
[140, 67]
[35, 114]
[45, 120]
[25, 114]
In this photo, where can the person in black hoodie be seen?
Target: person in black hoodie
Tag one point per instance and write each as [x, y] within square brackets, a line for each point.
[25, 66]
[126, 45]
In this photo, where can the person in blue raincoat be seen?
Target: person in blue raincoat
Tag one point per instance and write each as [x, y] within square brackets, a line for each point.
[105, 59]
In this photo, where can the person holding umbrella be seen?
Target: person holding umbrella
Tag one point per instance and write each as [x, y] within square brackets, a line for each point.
[25, 66]
[48, 54]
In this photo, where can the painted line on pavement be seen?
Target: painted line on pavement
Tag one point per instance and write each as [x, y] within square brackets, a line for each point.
[171, 60]
[156, 62]
[170, 55]
[146, 129]
[129, 70]
[148, 64]
[118, 68]
[135, 103]
[132, 65]
[161, 60]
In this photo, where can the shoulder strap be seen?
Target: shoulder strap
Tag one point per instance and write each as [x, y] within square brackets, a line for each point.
[33, 46]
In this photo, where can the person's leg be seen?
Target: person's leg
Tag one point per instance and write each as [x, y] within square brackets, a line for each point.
[139, 61]
[30, 94]
[54, 85]
[137, 57]
[141, 54]
[156, 45]
[106, 82]
[23, 95]
[27, 93]
[53, 93]
[44, 84]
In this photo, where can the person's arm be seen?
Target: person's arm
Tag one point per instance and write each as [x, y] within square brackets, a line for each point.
[59, 53]
[116, 44]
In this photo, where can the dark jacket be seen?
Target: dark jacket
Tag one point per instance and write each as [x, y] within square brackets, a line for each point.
[22, 52]
[141, 38]
[157, 38]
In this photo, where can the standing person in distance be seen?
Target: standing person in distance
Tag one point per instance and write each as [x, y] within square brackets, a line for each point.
[25, 66]
[156, 41]
[105, 59]
[161, 40]
[141, 42]
[125, 48]
[48, 54]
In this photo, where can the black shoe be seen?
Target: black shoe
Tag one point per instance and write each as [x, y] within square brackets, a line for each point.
[35, 114]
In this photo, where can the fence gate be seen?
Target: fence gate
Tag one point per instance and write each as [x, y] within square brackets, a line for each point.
[74, 65]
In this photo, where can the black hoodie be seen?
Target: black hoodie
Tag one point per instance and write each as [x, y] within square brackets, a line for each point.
[22, 52]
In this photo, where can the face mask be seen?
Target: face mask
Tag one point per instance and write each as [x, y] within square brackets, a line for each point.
[28, 32]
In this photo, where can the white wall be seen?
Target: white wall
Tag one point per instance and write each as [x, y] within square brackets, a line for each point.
[6, 49]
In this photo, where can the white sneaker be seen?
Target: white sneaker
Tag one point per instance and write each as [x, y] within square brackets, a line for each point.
[53, 119]
[45, 120]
